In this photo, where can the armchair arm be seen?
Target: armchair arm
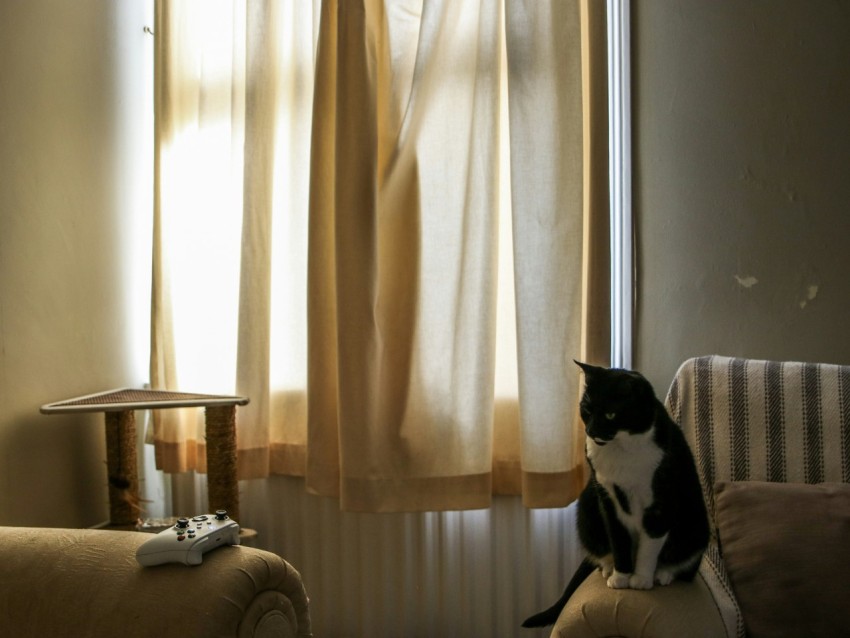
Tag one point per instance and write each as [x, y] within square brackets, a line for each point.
[58, 582]
[679, 609]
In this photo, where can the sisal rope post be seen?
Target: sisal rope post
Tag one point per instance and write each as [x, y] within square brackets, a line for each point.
[122, 469]
[222, 483]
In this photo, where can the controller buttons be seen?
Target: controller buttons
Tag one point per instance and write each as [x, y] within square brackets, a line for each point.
[221, 515]
[203, 517]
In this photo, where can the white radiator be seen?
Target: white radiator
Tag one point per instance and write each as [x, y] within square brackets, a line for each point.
[435, 574]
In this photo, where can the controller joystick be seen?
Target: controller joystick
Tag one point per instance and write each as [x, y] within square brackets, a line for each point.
[188, 540]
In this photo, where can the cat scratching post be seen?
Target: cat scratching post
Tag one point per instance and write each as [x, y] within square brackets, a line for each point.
[118, 407]
[222, 485]
[121, 468]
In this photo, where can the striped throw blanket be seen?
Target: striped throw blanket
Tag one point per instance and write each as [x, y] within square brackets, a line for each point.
[749, 420]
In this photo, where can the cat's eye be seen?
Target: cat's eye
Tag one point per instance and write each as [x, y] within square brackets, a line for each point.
[610, 415]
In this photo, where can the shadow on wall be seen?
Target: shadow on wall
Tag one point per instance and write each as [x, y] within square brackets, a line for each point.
[43, 451]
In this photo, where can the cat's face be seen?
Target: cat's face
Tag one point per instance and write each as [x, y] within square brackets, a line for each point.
[615, 402]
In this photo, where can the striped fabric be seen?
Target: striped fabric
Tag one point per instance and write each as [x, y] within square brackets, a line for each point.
[749, 420]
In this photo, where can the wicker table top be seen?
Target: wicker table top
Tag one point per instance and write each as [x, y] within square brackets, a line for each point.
[124, 399]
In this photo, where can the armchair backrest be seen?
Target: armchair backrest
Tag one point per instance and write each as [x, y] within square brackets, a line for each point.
[754, 420]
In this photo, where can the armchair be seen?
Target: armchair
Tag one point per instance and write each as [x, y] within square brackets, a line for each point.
[86, 582]
[772, 446]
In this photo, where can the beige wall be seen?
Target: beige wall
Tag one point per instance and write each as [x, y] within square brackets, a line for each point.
[741, 152]
[742, 194]
[74, 244]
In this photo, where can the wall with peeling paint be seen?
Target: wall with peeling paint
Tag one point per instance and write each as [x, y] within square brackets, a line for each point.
[741, 185]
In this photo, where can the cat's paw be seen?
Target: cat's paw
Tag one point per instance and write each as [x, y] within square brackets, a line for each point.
[607, 567]
[618, 580]
[664, 577]
[640, 581]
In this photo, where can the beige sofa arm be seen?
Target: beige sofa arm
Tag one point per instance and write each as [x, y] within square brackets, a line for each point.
[680, 609]
[61, 582]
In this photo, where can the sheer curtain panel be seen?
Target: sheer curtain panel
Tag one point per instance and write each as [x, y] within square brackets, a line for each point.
[386, 223]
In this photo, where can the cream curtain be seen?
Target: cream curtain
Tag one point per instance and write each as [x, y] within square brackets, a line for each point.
[385, 222]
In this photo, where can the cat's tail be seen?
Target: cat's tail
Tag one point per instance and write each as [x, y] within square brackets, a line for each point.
[549, 616]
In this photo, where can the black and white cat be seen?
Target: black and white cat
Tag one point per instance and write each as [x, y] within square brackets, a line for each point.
[641, 518]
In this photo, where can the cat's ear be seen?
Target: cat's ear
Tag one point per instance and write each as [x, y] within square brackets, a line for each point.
[588, 369]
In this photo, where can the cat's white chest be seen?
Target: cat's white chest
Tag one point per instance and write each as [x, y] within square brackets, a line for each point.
[628, 462]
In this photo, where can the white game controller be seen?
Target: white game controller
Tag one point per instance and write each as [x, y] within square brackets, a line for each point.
[189, 539]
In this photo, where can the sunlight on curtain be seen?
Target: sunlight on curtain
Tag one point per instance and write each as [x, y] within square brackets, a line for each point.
[401, 382]
[223, 69]
[391, 170]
